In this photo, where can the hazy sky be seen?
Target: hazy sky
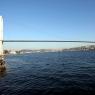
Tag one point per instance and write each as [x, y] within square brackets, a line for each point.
[48, 19]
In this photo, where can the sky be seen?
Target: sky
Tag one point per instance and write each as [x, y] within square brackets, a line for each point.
[48, 20]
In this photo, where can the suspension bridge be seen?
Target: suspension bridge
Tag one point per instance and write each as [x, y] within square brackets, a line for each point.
[2, 41]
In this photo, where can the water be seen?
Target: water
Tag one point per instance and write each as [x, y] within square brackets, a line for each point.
[52, 73]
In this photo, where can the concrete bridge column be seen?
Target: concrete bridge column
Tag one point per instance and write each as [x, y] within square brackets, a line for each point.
[2, 63]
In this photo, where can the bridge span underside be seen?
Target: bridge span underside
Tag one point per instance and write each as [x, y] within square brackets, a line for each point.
[48, 41]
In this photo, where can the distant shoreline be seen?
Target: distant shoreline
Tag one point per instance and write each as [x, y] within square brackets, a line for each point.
[24, 51]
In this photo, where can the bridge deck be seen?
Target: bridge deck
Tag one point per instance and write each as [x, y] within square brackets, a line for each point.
[48, 41]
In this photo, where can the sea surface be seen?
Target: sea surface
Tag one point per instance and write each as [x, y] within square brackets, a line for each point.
[49, 73]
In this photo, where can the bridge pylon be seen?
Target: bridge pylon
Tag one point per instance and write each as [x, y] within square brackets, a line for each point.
[2, 62]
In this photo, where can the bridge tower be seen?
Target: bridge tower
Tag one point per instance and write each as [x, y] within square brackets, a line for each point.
[2, 63]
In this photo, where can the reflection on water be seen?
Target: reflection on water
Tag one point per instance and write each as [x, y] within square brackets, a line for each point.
[2, 69]
[2, 72]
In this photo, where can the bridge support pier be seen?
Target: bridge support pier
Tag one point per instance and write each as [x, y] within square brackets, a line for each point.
[2, 62]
